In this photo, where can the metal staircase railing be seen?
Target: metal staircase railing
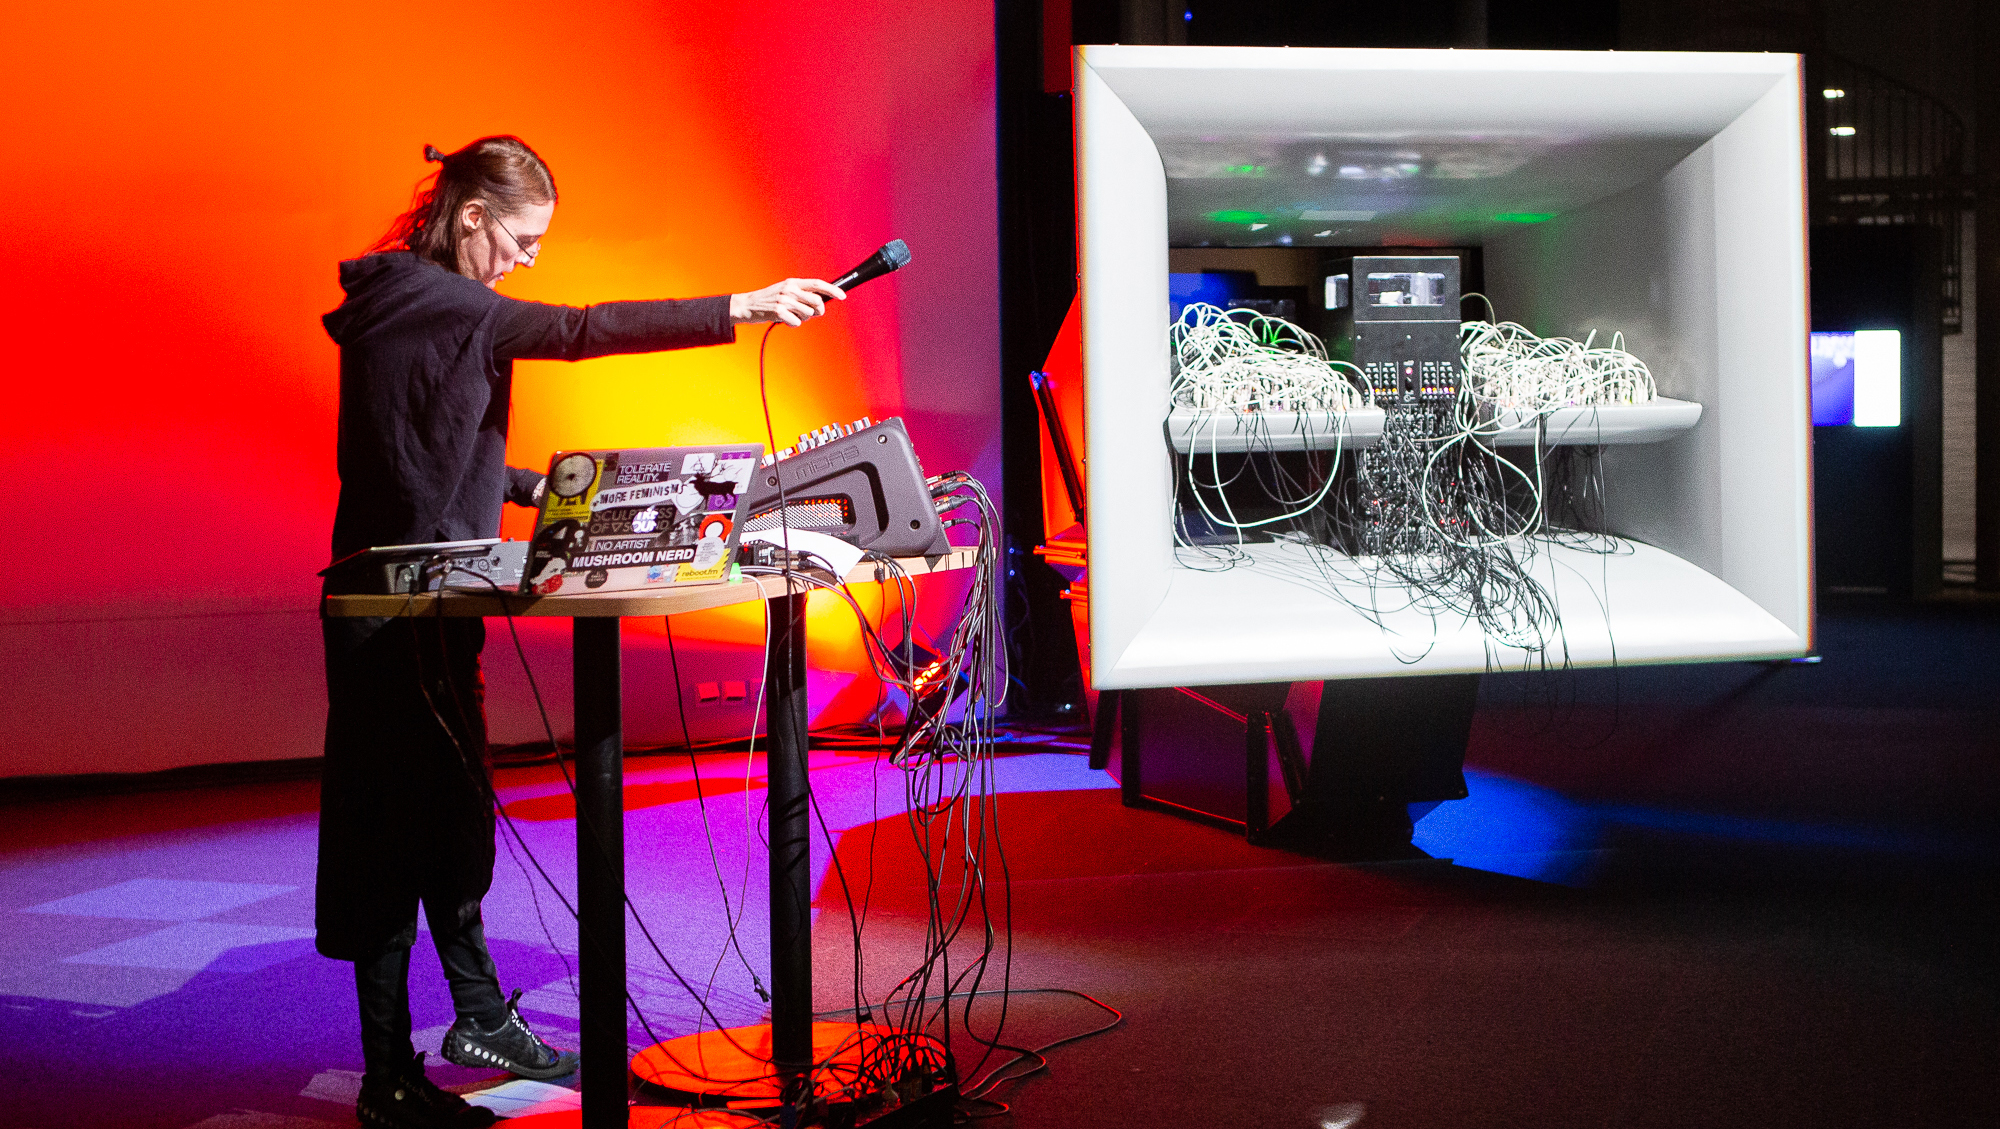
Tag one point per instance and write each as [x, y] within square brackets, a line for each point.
[1882, 153]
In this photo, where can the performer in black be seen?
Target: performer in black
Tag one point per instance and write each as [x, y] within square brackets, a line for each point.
[407, 808]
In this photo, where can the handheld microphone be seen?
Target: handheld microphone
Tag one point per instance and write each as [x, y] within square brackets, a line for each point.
[893, 255]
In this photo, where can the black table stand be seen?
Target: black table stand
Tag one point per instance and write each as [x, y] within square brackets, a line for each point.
[600, 871]
[600, 861]
[790, 795]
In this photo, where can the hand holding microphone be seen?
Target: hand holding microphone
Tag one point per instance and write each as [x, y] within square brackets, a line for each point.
[795, 300]
[792, 301]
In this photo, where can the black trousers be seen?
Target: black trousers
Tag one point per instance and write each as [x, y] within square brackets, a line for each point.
[406, 802]
[406, 819]
[382, 985]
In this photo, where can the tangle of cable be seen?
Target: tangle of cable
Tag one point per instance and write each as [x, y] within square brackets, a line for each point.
[1507, 367]
[1433, 518]
[1244, 361]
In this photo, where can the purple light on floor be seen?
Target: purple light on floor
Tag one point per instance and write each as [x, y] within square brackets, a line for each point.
[197, 945]
[162, 899]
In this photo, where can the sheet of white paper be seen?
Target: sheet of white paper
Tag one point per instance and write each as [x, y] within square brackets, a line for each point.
[521, 1097]
[342, 1086]
[839, 556]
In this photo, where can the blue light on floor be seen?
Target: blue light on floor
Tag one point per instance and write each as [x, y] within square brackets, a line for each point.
[1788, 833]
[1512, 827]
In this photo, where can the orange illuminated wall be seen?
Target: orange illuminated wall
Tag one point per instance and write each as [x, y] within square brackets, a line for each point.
[182, 179]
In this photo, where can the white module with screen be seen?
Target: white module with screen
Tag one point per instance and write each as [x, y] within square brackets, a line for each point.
[1405, 327]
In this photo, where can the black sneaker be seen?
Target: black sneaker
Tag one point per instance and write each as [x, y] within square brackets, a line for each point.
[510, 1047]
[413, 1101]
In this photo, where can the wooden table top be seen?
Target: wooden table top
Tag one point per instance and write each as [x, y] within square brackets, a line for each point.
[668, 601]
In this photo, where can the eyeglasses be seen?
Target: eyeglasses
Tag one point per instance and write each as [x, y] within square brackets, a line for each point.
[530, 250]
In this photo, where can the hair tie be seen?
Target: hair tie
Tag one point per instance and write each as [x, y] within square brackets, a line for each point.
[431, 154]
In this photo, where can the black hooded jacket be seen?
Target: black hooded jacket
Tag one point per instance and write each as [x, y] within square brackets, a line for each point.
[426, 370]
[426, 366]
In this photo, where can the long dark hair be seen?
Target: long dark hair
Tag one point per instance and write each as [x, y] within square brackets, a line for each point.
[501, 172]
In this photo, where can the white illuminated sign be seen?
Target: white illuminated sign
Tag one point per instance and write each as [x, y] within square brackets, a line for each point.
[1878, 378]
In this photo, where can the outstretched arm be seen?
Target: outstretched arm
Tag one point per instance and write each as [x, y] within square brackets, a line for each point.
[539, 331]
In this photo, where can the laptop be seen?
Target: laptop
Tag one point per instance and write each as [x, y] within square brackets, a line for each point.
[655, 517]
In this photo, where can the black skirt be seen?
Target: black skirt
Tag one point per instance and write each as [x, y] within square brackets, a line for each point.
[406, 800]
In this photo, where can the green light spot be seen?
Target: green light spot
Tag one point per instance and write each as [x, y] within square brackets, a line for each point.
[1524, 217]
[1247, 170]
[1236, 217]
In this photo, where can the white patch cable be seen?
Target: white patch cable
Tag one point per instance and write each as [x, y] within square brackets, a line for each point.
[1512, 369]
[1225, 360]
